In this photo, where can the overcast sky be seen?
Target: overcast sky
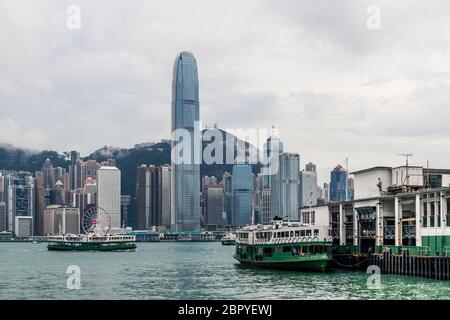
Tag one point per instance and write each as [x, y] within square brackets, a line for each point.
[333, 87]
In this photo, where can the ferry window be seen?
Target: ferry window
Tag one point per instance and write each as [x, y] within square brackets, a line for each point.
[297, 233]
[308, 233]
[268, 252]
[302, 233]
[278, 249]
[316, 232]
[287, 249]
[313, 218]
[291, 233]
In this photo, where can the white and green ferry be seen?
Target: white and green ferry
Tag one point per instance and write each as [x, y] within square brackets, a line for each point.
[92, 242]
[98, 235]
[284, 245]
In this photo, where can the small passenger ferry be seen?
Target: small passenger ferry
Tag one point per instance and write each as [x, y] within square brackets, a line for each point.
[229, 239]
[284, 245]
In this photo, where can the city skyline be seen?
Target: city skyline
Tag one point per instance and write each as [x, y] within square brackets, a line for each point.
[348, 87]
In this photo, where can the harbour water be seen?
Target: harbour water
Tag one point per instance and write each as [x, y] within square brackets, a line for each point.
[185, 271]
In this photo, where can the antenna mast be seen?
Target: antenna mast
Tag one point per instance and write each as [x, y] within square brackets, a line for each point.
[407, 156]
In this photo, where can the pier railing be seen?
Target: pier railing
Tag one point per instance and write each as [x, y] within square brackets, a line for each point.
[411, 250]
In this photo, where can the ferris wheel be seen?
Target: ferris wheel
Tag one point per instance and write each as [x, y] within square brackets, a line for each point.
[96, 220]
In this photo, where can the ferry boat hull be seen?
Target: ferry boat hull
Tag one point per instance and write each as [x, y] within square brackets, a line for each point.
[229, 242]
[91, 246]
[316, 264]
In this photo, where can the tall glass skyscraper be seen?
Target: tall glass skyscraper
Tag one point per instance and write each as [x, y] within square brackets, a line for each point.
[242, 198]
[285, 187]
[338, 184]
[185, 186]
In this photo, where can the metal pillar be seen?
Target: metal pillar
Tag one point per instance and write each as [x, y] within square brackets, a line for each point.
[398, 224]
[379, 227]
[418, 221]
[342, 225]
[355, 227]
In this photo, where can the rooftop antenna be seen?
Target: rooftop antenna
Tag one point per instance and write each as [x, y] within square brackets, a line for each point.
[346, 179]
[407, 156]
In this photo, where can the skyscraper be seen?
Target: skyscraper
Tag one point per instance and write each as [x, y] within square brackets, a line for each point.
[108, 193]
[185, 186]
[228, 195]
[213, 203]
[242, 195]
[285, 187]
[2, 205]
[338, 184]
[39, 203]
[152, 197]
[20, 203]
[308, 186]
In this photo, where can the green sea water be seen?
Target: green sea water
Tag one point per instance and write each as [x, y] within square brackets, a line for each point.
[185, 271]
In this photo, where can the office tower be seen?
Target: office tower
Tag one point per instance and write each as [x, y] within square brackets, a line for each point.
[266, 212]
[242, 194]
[88, 170]
[108, 193]
[351, 189]
[74, 170]
[61, 220]
[338, 184]
[39, 203]
[125, 201]
[2, 188]
[185, 192]
[326, 191]
[83, 201]
[152, 197]
[23, 226]
[206, 181]
[285, 187]
[57, 175]
[272, 148]
[213, 204]
[3, 225]
[308, 185]
[20, 203]
[58, 193]
[228, 195]
[47, 172]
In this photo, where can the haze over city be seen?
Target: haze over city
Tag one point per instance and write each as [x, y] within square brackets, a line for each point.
[333, 87]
